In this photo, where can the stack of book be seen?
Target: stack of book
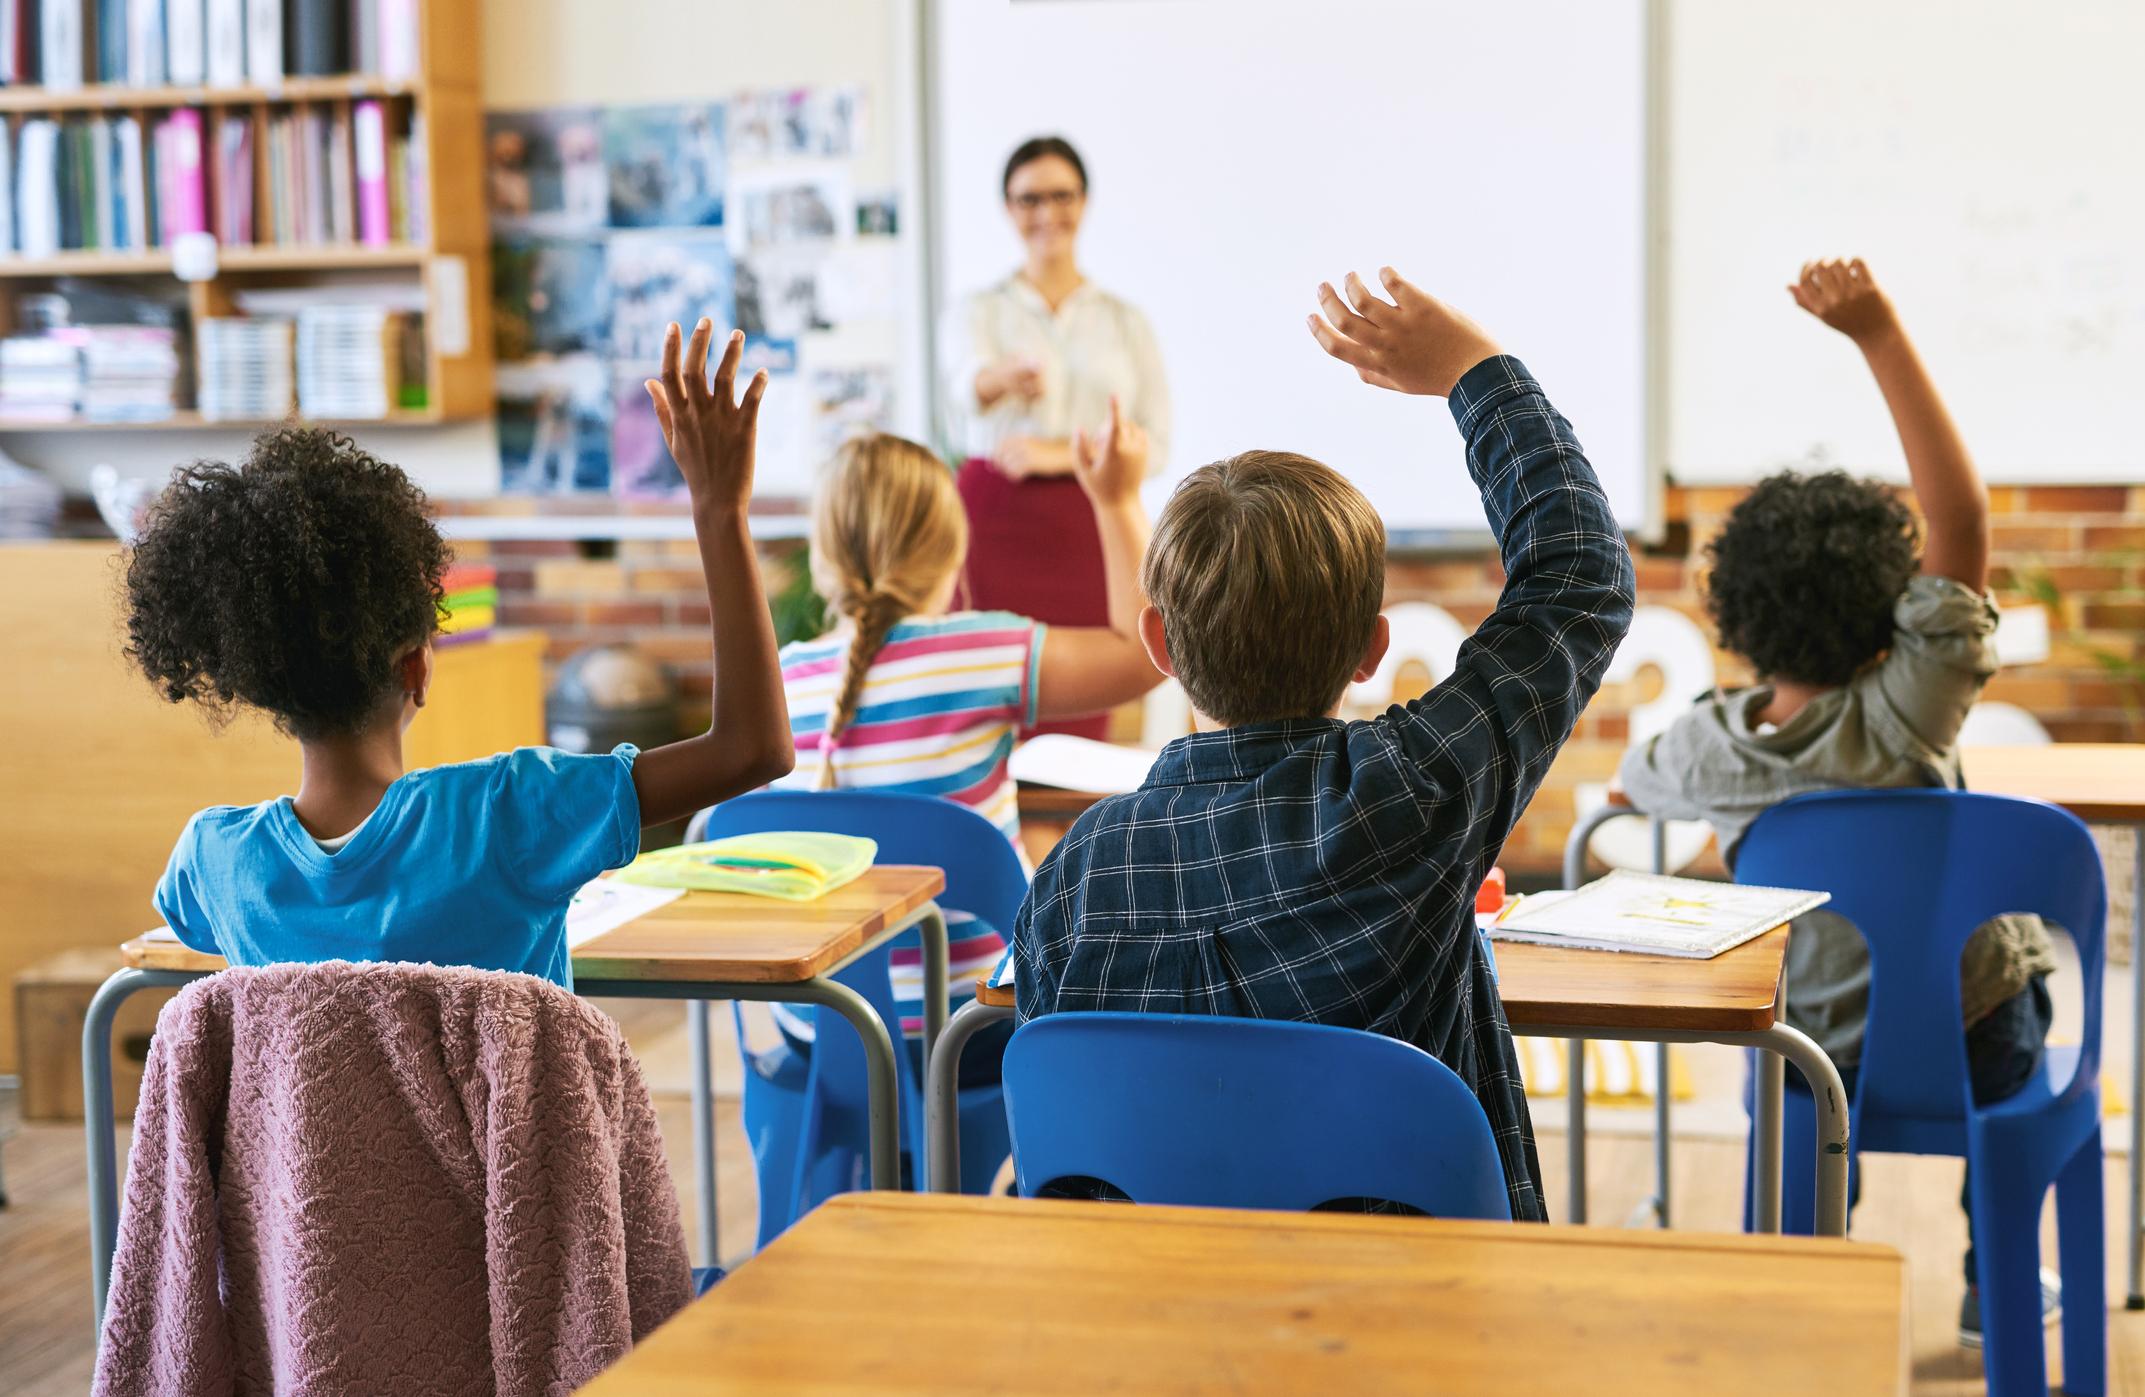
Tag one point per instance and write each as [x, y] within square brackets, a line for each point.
[130, 373]
[243, 368]
[40, 379]
[472, 601]
[349, 360]
[222, 43]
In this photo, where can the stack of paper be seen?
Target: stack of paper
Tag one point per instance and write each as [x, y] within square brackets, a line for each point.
[29, 503]
[348, 360]
[1081, 764]
[129, 373]
[244, 369]
[40, 379]
[1655, 915]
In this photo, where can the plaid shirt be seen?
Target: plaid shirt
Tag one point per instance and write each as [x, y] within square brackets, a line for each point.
[1325, 871]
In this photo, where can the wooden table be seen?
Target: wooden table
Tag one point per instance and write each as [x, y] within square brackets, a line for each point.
[905, 1293]
[2102, 783]
[704, 946]
[1552, 992]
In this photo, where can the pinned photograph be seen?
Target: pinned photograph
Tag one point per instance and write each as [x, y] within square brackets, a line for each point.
[848, 399]
[641, 468]
[549, 296]
[878, 215]
[554, 426]
[777, 297]
[544, 171]
[667, 166]
[657, 278]
[783, 125]
[787, 205]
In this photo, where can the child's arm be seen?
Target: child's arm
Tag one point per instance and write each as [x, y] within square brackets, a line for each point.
[712, 437]
[1485, 736]
[1955, 505]
[1089, 669]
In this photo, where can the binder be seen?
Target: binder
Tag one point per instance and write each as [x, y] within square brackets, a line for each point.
[185, 208]
[97, 218]
[318, 29]
[364, 36]
[37, 215]
[185, 43]
[374, 219]
[7, 194]
[60, 47]
[225, 24]
[264, 42]
[131, 181]
[399, 49]
[145, 43]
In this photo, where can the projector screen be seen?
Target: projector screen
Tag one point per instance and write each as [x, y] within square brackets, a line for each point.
[1241, 151]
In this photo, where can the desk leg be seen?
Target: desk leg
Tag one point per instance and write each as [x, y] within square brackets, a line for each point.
[2135, 1300]
[1794, 1046]
[100, 1131]
[880, 1070]
[1661, 1129]
[931, 930]
[942, 1087]
[704, 1163]
[1766, 1129]
[1575, 1131]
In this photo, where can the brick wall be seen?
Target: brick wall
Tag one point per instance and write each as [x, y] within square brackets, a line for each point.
[2088, 540]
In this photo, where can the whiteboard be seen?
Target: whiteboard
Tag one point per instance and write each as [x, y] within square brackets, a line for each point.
[1983, 157]
[1241, 151]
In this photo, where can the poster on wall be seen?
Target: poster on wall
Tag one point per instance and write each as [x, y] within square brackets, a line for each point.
[610, 223]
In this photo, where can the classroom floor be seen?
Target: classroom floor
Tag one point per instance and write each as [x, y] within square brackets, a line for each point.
[1909, 1203]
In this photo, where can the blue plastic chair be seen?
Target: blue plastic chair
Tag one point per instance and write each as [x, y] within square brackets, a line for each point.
[1245, 1113]
[1916, 872]
[807, 1118]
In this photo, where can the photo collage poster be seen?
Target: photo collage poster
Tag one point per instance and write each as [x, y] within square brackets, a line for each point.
[608, 223]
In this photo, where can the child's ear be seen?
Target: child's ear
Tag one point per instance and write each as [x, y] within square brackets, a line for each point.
[1381, 639]
[416, 667]
[1153, 636]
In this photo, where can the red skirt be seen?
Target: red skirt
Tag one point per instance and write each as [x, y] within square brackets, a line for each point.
[1033, 551]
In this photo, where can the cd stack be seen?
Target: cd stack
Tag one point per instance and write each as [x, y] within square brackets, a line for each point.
[129, 372]
[244, 368]
[347, 361]
[40, 379]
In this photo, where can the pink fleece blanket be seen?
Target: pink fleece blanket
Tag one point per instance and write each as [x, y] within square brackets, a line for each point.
[385, 1179]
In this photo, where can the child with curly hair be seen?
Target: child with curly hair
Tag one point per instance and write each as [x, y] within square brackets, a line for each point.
[1869, 650]
[305, 583]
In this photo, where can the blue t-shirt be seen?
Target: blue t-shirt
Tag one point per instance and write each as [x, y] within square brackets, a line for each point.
[471, 864]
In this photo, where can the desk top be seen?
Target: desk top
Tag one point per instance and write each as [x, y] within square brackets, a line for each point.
[707, 936]
[879, 1294]
[1550, 986]
[1054, 802]
[2103, 781]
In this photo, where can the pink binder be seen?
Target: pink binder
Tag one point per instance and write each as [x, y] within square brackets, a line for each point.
[371, 143]
[182, 174]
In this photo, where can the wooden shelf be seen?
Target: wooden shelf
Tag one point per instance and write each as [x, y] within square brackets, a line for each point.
[98, 97]
[193, 421]
[297, 257]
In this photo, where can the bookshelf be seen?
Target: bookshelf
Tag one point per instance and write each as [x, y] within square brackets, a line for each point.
[438, 109]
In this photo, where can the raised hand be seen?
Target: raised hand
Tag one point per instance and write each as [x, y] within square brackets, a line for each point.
[1413, 343]
[1844, 295]
[711, 434]
[1112, 460]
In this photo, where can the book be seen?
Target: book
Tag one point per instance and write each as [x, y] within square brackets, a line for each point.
[37, 214]
[7, 194]
[99, 214]
[145, 43]
[399, 52]
[364, 36]
[59, 59]
[10, 53]
[133, 183]
[342, 184]
[1081, 764]
[1654, 914]
[225, 22]
[318, 29]
[370, 144]
[106, 39]
[264, 42]
[185, 43]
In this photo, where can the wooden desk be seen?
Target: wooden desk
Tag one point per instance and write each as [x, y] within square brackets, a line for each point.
[1556, 993]
[115, 771]
[2102, 783]
[704, 946]
[880, 1294]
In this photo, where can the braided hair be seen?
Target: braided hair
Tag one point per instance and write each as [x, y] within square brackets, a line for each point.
[887, 532]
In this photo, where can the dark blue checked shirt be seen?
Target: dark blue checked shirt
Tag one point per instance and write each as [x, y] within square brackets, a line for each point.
[1325, 871]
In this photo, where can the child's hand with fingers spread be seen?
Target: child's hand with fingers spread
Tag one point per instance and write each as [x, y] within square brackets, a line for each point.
[1112, 460]
[1845, 296]
[1413, 343]
[710, 435]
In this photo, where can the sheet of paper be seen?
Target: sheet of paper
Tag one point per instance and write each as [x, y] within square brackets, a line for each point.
[606, 904]
[1081, 764]
[1648, 912]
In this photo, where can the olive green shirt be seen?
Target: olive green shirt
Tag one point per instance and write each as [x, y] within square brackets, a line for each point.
[1895, 724]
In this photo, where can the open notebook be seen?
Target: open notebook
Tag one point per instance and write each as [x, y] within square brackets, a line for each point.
[1654, 915]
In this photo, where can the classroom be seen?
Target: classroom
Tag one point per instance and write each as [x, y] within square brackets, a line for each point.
[1388, 696]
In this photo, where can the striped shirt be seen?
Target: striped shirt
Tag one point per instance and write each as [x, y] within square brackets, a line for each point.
[942, 704]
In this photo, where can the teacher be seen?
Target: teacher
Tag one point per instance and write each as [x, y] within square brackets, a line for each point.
[1028, 360]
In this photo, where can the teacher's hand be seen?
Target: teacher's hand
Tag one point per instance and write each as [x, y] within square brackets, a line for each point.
[1111, 461]
[1018, 378]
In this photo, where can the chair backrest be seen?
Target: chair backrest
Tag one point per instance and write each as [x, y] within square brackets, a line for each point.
[983, 874]
[1246, 1113]
[1917, 872]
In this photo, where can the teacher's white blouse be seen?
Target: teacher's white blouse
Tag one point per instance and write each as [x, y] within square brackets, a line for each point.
[1093, 345]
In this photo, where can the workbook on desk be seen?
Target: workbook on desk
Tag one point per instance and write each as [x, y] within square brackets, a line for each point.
[1081, 764]
[1652, 914]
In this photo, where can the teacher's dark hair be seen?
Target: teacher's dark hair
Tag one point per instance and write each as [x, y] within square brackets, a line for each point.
[1041, 148]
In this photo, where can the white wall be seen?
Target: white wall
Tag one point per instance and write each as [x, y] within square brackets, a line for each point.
[554, 52]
